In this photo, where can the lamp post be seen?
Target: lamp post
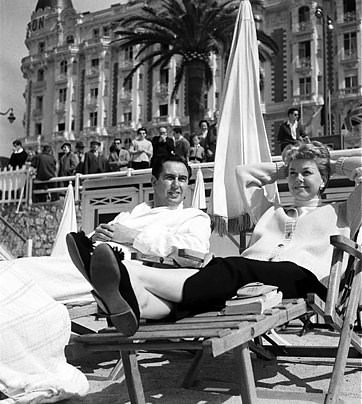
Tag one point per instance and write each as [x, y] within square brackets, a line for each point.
[11, 116]
[326, 24]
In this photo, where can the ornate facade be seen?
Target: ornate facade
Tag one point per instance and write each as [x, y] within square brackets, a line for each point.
[296, 76]
[75, 79]
[75, 74]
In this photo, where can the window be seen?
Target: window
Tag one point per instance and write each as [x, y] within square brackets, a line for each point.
[304, 49]
[106, 30]
[304, 54]
[40, 75]
[127, 117]
[39, 103]
[163, 110]
[38, 129]
[303, 14]
[96, 33]
[93, 118]
[350, 44]
[63, 67]
[41, 47]
[351, 84]
[349, 7]
[95, 63]
[62, 95]
[94, 92]
[128, 53]
[70, 39]
[305, 87]
[128, 85]
[164, 76]
[72, 125]
[61, 127]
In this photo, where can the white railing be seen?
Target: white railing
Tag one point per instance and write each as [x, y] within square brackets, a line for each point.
[14, 185]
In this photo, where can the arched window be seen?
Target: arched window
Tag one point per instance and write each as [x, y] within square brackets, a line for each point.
[40, 75]
[70, 39]
[303, 14]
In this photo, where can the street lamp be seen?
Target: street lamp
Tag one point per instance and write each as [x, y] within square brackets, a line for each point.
[326, 25]
[11, 116]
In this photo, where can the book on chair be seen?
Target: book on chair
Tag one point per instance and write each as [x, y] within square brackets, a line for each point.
[253, 298]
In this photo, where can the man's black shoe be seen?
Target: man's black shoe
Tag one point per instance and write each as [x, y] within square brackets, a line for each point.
[80, 249]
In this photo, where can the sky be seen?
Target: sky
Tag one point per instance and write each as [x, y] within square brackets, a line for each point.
[14, 17]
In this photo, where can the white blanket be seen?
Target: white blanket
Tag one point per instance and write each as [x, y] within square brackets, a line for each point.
[57, 276]
[34, 331]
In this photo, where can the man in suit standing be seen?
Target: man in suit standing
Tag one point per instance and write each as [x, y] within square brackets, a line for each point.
[291, 130]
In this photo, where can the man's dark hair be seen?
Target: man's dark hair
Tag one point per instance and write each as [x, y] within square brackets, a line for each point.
[142, 128]
[117, 139]
[158, 165]
[204, 120]
[292, 109]
[67, 144]
[17, 143]
[177, 129]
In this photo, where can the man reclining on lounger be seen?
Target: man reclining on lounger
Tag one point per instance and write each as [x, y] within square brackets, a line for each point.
[160, 228]
[289, 248]
[154, 230]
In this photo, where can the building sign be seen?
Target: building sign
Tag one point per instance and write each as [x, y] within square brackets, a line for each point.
[35, 25]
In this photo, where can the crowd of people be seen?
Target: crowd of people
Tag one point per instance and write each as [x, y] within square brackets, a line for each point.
[138, 153]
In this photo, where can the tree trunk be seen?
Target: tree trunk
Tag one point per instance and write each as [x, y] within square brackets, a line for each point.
[195, 76]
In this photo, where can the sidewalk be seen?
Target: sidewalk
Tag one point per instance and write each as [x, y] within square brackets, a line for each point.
[288, 380]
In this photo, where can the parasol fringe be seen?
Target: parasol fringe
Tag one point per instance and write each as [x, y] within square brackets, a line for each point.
[235, 225]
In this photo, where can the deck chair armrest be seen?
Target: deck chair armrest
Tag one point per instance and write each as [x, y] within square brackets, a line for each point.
[347, 245]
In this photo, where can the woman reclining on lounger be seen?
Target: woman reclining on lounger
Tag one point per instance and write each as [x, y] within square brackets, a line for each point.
[289, 248]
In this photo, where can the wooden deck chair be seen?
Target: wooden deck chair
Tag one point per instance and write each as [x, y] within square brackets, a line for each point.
[342, 307]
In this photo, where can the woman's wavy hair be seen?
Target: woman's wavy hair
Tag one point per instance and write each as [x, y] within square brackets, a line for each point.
[313, 150]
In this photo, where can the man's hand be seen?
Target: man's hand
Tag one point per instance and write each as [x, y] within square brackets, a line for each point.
[115, 232]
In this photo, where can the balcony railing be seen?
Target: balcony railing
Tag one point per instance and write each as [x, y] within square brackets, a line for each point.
[92, 102]
[304, 26]
[39, 85]
[37, 113]
[125, 96]
[61, 78]
[350, 54]
[126, 64]
[304, 63]
[60, 107]
[162, 90]
[349, 91]
[349, 16]
[93, 71]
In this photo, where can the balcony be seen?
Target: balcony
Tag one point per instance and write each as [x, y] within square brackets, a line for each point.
[92, 102]
[126, 65]
[349, 16]
[91, 131]
[61, 78]
[350, 58]
[125, 96]
[303, 65]
[349, 92]
[39, 86]
[92, 72]
[37, 114]
[60, 107]
[164, 119]
[304, 27]
[162, 90]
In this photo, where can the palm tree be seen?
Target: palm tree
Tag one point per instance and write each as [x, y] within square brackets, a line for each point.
[189, 29]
